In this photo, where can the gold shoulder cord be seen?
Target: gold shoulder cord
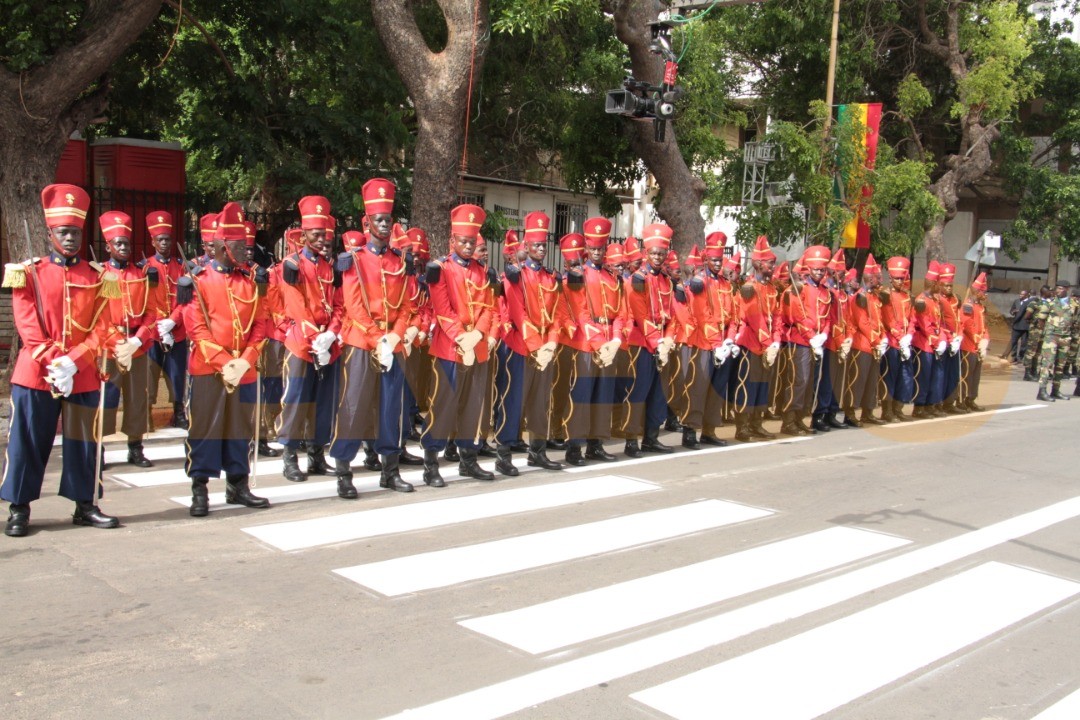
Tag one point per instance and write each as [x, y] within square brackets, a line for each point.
[239, 330]
[69, 321]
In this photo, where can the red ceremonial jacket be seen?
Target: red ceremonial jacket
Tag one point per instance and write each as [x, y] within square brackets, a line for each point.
[651, 304]
[70, 322]
[170, 270]
[375, 296]
[134, 313]
[759, 315]
[533, 296]
[461, 301]
[312, 304]
[225, 319]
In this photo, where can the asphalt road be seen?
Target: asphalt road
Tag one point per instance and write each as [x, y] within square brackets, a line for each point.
[921, 571]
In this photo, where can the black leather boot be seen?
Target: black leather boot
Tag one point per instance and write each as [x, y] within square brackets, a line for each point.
[316, 462]
[452, 454]
[432, 476]
[505, 462]
[468, 467]
[973, 406]
[391, 477]
[555, 444]
[689, 439]
[1055, 392]
[407, 458]
[789, 427]
[868, 418]
[486, 450]
[136, 456]
[651, 442]
[179, 416]
[712, 440]
[898, 412]
[200, 499]
[266, 451]
[291, 469]
[832, 422]
[1043, 396]
[345, 488]
[1029, 376]
[819, 425]
[742, 427]
[519, 446]
[574, 456]
[371, 458]
[594, 450]
[850, 419]
[18, 523]
[1076, 390]
[538, 456]
[886, 411]
[632, 449]
[237, 492]
[672, 424]
[87, 513]
[800, 421]
[757, 430]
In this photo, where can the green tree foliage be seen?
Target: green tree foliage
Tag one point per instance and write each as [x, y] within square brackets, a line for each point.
[277, 100]
[1044, 174]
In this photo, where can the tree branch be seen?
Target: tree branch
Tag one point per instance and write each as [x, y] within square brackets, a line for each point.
[186, 15]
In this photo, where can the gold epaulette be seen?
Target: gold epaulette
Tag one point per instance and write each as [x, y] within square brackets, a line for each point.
[14, 275]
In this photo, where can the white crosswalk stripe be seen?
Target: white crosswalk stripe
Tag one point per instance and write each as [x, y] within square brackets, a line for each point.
[576, 618]
[1004, 595]
[836, 663]
[405, 518]
[457, 565]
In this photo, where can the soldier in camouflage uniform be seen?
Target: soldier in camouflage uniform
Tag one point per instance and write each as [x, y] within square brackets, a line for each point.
[1074, 339]
[1036, 313]
[1055, 343]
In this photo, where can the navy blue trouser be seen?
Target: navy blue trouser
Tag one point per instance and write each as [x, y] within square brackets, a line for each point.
[898, 376]
[34, 414]
[309, 403]
[751, 383]
[222, 428]
[174, 364]
[929, 378]
[648, 404]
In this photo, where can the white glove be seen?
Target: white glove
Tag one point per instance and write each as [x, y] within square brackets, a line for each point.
[954, 346]
[905, 342]
[606, 352]
[663, 350]
[410, 334]
[322, 359]
[492, 342]
[721, 354]
[905, 352]
[233, 372]
[818, 341]
[941, 347]
[421, 337]
[387, 343]
[468, 341]
[322, 343]
[771, 352]
[167, 339]
[166, 326]
[544, 355]
[845, 348]
[735, 350]
[882, 346]
[984, 345]
[61, 375]
[125, 351]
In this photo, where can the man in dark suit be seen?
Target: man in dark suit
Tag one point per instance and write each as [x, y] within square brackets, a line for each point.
[1018, 340]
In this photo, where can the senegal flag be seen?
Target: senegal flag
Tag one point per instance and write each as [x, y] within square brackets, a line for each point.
[856, 233]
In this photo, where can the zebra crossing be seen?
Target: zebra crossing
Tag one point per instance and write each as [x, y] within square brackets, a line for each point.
[819, 670]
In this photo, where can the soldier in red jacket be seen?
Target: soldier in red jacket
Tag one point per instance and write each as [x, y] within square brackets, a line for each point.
[973, 346]
[227, 322]
[597, 309]
[377, 325]
[950, 322]
[272, 360]
[313, 310]
[897, 316]
[868, 345]
[56, 302]
[169, 354]
[463, 321]
[130, 330]
[652, 339]
[532, 293]
[710, 346]
[931, 341]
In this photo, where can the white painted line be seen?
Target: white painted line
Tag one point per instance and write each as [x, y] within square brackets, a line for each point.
[576, 618]
[425, 515]
[473, 562]
[552, 682]
[152, 452]
[363, 481]
[1002, 411]
[810, 674]
[680, 455]
[1068, 708]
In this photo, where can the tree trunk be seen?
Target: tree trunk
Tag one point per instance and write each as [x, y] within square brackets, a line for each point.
[681, 190]
[438, 84]
[42, 107]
